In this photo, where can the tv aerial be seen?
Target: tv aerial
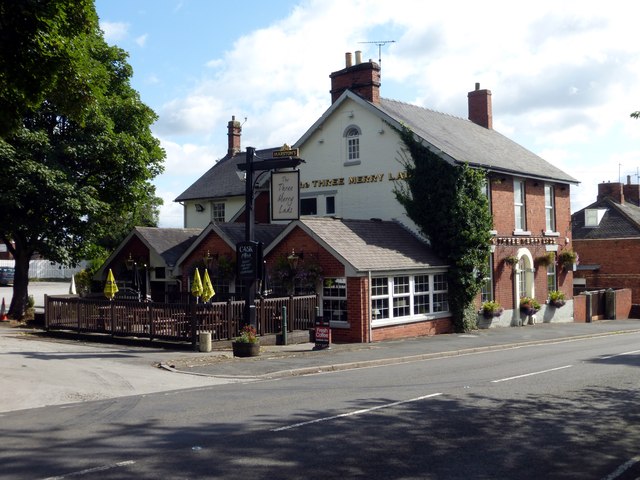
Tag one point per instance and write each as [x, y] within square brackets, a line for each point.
[380, 44]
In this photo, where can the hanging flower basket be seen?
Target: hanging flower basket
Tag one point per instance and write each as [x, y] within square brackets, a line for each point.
[568, 258]
[511, 260]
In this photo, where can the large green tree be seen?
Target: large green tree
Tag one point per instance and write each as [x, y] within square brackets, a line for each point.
[76, 151]
[447, 203]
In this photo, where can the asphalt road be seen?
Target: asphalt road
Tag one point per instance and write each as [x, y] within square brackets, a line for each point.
[560, 410]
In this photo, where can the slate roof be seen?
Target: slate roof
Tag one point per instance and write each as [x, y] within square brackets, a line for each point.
[169, 243]
[221, 180]
[619, 221]
[466, 142]
[232, 233]
[370, 245]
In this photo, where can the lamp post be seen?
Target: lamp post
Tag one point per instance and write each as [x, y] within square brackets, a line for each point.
[250, 167]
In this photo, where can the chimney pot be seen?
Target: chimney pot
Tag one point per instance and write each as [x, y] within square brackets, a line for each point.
[347, 58]
[358, 57]
[477, 85]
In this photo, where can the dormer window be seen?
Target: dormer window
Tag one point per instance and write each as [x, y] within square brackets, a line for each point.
[593, 216]
[352, 136]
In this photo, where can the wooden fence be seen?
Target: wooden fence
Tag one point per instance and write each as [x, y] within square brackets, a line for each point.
[175, 322]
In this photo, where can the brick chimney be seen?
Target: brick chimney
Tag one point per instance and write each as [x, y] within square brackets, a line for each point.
[631, 192]
[363, 78]
[480, 107]
[234, 131]
[612, 190]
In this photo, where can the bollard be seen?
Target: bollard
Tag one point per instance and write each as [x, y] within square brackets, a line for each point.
[205, 341]
[284, 325]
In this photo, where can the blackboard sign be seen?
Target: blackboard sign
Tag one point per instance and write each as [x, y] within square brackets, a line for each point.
[249, 260]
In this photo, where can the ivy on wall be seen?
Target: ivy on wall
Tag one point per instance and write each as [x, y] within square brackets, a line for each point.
[447, 203]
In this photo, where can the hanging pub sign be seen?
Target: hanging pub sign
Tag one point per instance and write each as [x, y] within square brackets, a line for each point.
[285, 195]
[249, 260]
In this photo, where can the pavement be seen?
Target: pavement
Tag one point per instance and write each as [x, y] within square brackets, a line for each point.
[301, 359]
[40, 369]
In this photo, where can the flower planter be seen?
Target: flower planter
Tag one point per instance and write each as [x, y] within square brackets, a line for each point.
[492, 314]
[557, 303]
[245, 349]
[529, 311]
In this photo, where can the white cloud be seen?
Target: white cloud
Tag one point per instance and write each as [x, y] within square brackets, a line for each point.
[142, 40]
[562, 76]
[114, 31]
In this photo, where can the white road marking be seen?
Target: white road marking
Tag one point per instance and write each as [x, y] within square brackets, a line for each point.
[92, 470]
[623, 468]
[530, 374]
[355, 412]
[619, 354]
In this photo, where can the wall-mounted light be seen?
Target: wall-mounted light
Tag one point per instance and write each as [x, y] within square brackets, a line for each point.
[351, 114]
[294, 257]
[381, 131]
[199, 207]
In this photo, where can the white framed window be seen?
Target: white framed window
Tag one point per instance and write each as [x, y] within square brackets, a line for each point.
[352, 136]
[549, 208]
[407, 297]
[593, 216]
[486, 290]
[330, 205]
[309, 206]
[334, 299]
[519, 205]
[217, 212]
[552, 282]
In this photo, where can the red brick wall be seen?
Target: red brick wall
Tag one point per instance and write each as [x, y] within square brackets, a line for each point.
[139, 253]
[580, 308]
[502, 210]
[363, 79]
[619, 262]
[212, 244]
[428, 328]
[623, 304]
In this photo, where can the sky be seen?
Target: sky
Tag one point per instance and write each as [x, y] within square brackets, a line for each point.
[564, 76]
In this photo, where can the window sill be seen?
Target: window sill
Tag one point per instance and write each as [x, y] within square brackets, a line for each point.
[550, 234]
[351, 163]
[521, 233]
[389, 322]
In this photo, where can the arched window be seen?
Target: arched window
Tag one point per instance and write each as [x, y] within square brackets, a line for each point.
[352, 135]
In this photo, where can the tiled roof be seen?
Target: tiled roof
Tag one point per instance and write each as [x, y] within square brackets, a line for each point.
[221, 180]
[264, 233]
[619, 221]
[373, 245]
[466, 142]
[169, 243]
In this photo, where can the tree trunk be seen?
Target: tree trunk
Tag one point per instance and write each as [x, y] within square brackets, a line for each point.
[18, 306]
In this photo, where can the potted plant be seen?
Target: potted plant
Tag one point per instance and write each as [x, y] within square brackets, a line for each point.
[491, 309]
[247, 344]
[529, 306]
[568, 258]
[546, 259]
[511, 260]
[556, 298]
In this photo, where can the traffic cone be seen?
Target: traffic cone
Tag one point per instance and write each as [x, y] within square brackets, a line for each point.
[3, 314]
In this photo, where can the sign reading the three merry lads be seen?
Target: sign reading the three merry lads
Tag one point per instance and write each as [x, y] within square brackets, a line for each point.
[285, 195]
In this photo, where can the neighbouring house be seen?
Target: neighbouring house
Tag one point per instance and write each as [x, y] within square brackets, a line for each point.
[353, 245]
[606, 236]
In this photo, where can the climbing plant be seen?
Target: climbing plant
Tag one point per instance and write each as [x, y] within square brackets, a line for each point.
[447, 203]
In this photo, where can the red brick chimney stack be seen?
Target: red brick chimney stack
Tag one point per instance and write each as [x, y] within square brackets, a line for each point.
[612, 190]
[363, 78]
[234, 131]
[631, 192]
[480, 111]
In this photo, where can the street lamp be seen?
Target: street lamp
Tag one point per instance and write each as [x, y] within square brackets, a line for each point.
[252, 247]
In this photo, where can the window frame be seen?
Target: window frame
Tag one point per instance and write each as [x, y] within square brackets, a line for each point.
[398, 299]
[215, 212]
[352, 135]
[334, 299]
[549, 208]
[519, 205]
